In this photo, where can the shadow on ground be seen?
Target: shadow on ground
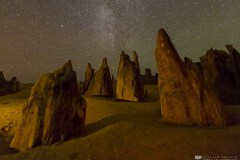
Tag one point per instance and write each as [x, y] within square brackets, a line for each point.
[92, 127]
[98, 125]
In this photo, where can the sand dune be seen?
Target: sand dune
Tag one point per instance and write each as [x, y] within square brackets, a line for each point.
[125, 131]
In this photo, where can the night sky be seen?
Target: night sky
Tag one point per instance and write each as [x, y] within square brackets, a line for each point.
[37, 37]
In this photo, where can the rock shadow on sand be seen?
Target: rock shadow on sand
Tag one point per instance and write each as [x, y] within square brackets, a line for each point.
[113, 119]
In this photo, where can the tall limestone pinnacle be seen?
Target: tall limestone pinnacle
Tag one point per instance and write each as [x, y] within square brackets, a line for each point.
[88, 76]
[101, 83]
[136, 61]
[185, 98]
[104, 63]
[129, 86]
[55, 111]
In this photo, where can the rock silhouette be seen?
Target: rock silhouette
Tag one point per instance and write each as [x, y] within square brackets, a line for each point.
[184, 97]
[101, 83]
[54, 112]
[88, 76]
[148, 78]
[222, 72]
[8, 87]
[129, 85]
[234, 56]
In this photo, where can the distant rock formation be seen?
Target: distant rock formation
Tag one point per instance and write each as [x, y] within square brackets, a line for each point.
[185, 98]
[129, 85]
[54, 112]
[101, 83]
[234, 56]
[148, 78]
[8, 87]
[88, 77]
[222, 71]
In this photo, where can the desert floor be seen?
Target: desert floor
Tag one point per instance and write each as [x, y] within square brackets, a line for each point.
[123, 131]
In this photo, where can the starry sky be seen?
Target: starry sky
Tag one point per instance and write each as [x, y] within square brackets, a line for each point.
[38, 36]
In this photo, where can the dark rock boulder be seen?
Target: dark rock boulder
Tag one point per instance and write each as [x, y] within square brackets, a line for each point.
[129, 85]
[101, 83]
[221, 73]
[54, 112]
[8, 87]
[185, 98]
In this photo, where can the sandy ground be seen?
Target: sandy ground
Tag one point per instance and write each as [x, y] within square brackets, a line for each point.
[124, 131]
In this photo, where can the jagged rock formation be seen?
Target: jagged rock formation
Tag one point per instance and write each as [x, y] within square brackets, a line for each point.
[222, 71]
[8, 87]
[185, 98]
[101, 83]
[195, 65]
[54, 112]
[234, 56]
[129, 85]
[88, 76]
[148, 78]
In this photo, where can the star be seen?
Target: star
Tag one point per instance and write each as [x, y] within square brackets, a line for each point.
[48, 33]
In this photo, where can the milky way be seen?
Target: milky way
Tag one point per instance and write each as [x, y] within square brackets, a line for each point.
[39, 36]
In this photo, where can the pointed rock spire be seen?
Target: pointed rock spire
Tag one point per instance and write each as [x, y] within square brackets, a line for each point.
[88, 76]
[184, 97]
[129, 86]
[101, 83]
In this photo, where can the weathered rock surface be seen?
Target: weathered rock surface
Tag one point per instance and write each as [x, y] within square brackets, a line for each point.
[101, 83]
[221, 71]
[8, 87]
[196, 66]
[185, 98]
[148, 78]
[54, 112]
[88, 76]
[129, 85]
